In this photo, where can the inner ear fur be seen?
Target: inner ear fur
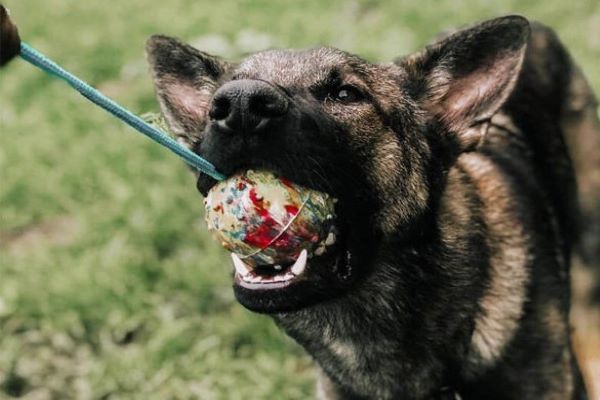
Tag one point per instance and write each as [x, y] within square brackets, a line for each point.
[184, 79]
[464, 78]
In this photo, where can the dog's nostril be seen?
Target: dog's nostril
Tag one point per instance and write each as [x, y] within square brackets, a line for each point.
[220, 108]
[268, 105]
[246, 106]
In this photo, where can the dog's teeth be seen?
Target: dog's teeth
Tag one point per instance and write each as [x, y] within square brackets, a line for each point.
[320, 250]
[288, 276]
[240, 266]
[330, 239]
[300, 263]
[248, 276]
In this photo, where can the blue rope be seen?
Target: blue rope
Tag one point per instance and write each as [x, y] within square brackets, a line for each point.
[39, 60]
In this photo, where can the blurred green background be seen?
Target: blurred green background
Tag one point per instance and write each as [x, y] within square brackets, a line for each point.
[110, 287]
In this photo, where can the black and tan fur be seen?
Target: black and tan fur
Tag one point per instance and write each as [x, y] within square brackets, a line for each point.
[457, 203]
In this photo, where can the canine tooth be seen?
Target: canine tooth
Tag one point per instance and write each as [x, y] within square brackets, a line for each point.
[240, 266]
[300, 263]
[330, 239]
[320, 250]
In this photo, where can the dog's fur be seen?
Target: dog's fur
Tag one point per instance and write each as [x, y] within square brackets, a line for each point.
[458, 203]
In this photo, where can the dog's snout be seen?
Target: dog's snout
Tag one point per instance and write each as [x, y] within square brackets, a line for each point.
[245, 106]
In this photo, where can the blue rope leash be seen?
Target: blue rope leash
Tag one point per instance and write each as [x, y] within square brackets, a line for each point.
[39, 60]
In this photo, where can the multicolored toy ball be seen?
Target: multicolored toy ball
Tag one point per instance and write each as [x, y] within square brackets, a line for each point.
[268, 220]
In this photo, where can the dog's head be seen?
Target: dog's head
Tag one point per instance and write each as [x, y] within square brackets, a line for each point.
[376, 136]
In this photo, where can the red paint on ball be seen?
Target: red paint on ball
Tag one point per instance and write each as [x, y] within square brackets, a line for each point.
[269, 228]
[286, 182]
[261, 237]
[291, 209]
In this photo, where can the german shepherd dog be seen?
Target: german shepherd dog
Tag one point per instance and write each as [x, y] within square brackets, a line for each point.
[458, 209]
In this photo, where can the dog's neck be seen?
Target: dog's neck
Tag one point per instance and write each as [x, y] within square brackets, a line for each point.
[400, 332]
[373, 343]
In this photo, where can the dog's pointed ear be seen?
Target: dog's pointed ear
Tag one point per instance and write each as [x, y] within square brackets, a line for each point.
[465, 78]
[185, 79]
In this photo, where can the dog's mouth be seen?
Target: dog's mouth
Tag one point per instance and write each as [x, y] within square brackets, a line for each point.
[269, 276]
[311, 278]
[314, 276]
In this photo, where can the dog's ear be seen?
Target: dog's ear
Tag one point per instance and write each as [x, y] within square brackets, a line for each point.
[464, 78]
[185, 79]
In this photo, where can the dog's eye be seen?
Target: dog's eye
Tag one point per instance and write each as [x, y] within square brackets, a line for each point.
[347, 94]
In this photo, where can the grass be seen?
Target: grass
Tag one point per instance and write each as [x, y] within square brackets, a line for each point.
[110, 286]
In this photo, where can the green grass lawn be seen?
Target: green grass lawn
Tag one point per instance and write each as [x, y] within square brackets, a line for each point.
[110, 287]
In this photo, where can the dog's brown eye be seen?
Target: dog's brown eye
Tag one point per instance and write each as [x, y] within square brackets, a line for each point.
[348, 94]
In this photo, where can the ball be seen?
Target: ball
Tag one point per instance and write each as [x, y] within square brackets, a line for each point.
[268, 220]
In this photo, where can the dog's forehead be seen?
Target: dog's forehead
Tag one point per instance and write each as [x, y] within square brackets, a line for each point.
[295, 67]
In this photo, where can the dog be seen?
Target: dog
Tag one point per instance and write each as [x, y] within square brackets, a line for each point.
[458, 209]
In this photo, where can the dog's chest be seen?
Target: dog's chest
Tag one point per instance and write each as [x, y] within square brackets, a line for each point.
[361, 357]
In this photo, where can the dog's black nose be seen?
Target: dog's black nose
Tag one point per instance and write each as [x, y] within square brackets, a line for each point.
[246, 106]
